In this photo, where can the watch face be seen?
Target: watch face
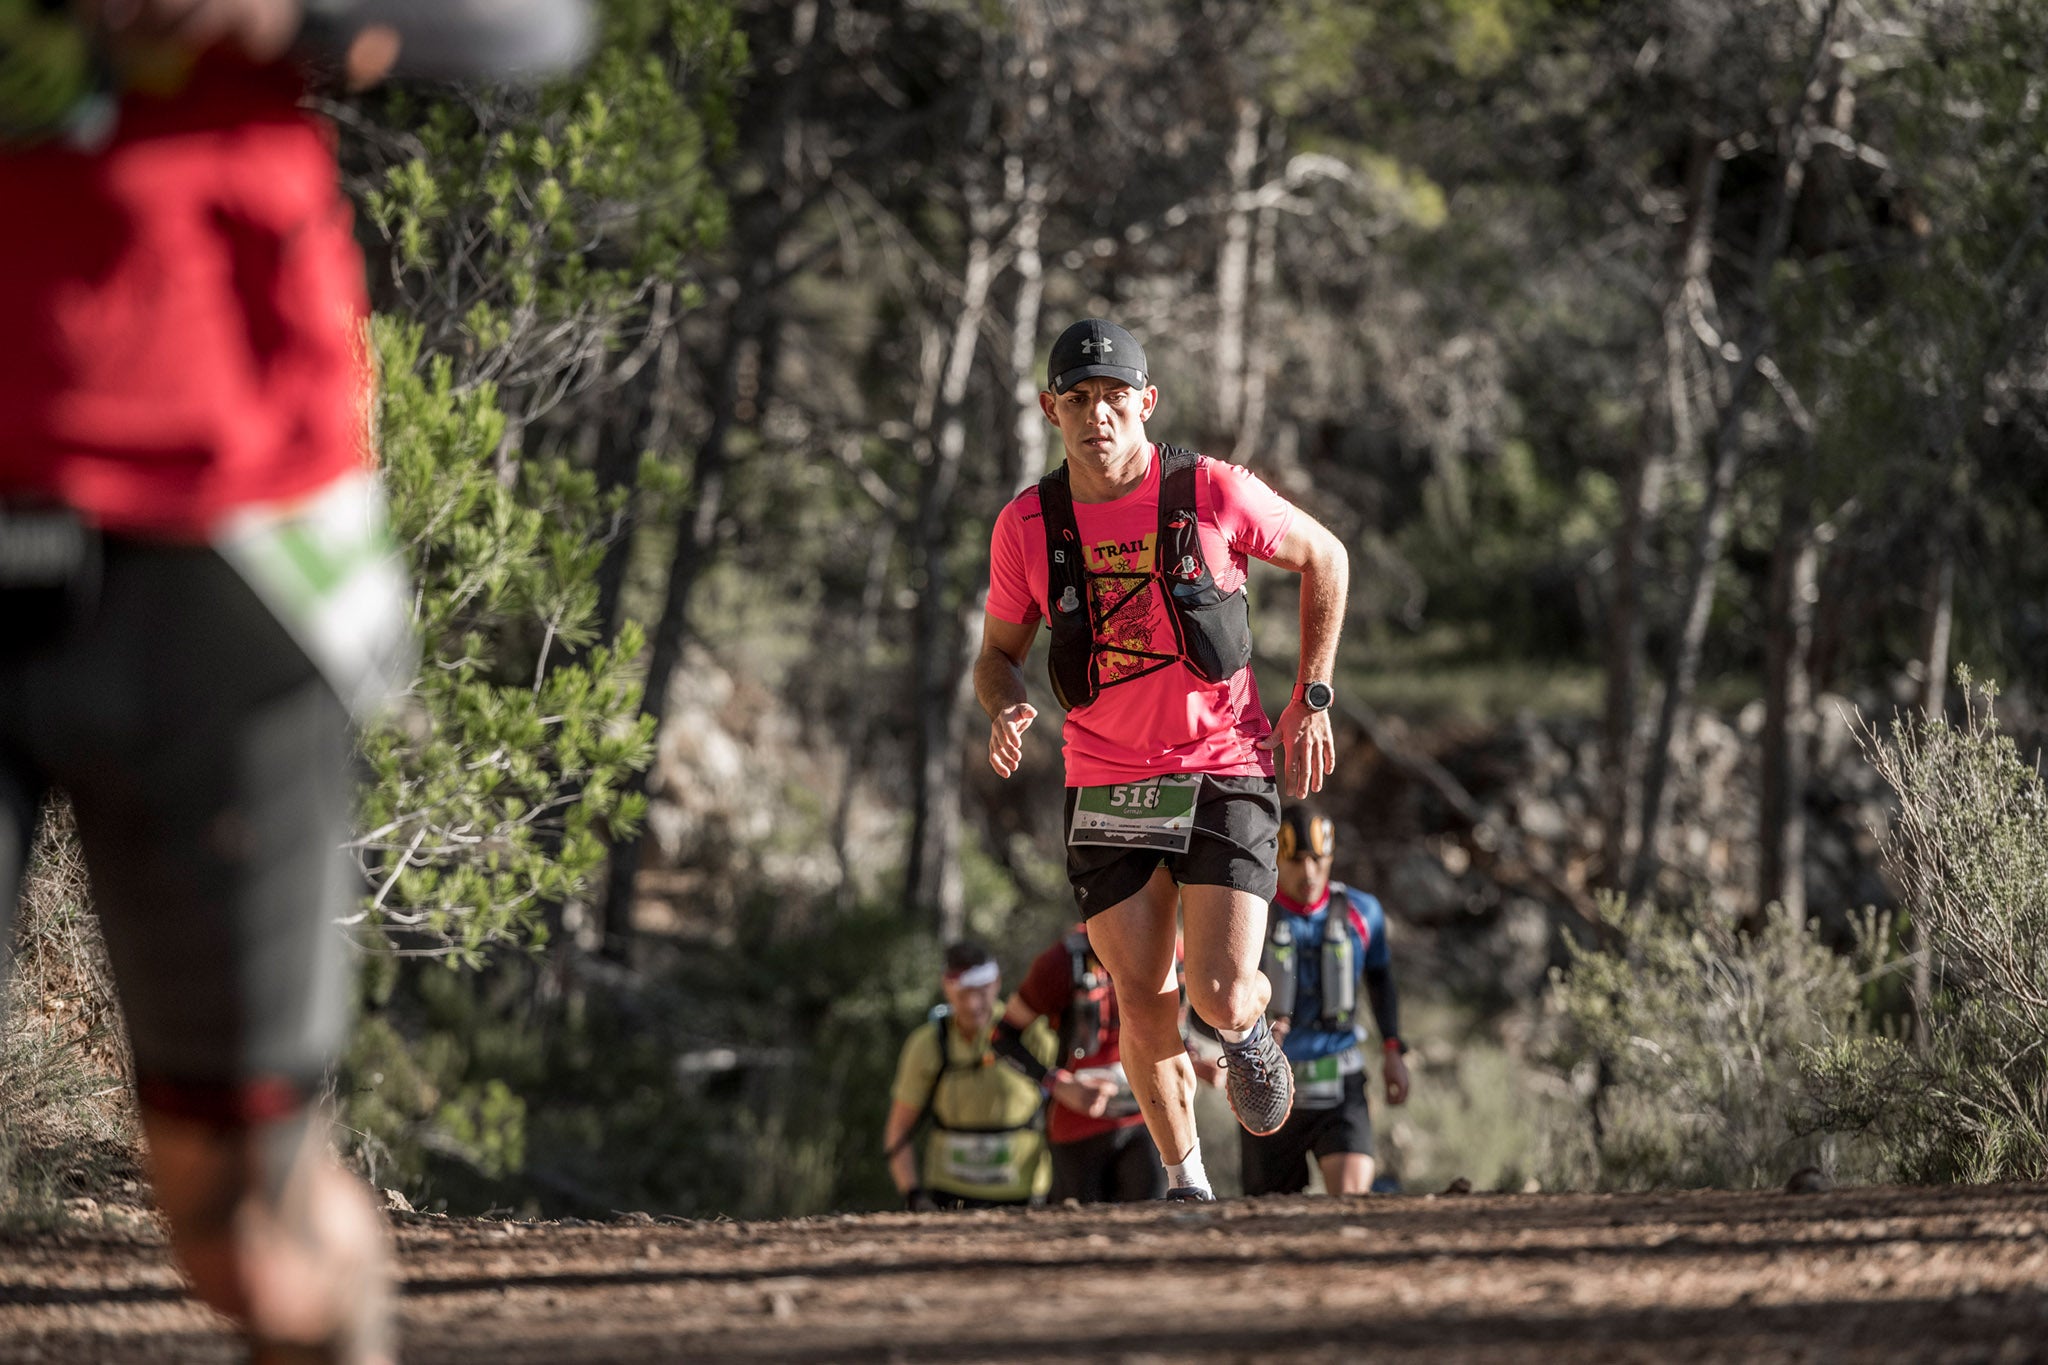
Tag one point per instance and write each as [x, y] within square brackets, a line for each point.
[1317, 696]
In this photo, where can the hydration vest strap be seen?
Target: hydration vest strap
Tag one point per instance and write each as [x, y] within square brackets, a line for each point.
[930, 1113]
[1177, 562]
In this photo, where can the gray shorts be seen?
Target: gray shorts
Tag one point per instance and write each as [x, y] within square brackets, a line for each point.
[207, 764]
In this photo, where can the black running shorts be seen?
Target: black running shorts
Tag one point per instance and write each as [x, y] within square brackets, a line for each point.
[1235, 843]
[1278, 1162]
[208, 769]
[1120, 1166]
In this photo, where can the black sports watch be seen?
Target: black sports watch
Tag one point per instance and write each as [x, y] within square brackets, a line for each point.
[1316, 696]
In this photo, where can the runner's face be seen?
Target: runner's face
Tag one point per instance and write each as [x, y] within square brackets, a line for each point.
[1101, 420]
[1305, 877]
[974, 1007]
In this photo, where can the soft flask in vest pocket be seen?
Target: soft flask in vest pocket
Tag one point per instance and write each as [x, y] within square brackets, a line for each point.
[1340, 973]
[1278, 965]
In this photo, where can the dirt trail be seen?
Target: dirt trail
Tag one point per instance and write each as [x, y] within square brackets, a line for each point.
[1958, 1274]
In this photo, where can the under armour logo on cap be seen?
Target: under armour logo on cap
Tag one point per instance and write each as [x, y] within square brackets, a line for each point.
[1095, 347]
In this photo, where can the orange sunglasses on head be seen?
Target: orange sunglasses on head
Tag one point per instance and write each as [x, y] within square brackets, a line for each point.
[1322, 838]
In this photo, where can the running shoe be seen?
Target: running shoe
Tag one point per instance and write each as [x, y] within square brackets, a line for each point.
[1259, 1081]
[1189, 1194]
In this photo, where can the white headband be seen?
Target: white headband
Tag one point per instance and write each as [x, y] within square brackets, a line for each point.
[987, 974]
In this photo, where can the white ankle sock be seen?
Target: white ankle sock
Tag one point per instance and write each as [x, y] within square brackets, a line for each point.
[1187, 1173]
[1236, 1036]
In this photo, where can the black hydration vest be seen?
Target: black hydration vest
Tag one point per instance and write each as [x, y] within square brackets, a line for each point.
[1336, 971]
[1212, 629]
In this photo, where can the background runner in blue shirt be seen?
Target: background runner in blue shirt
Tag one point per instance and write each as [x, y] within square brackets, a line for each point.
[1327, 952]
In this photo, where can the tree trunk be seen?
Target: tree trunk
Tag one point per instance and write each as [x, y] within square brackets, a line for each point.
[933, 888]
[1670, 392]
[1265, 264]
[1028, 434]
[1940, 607]
[696, 534]
[1233, 271]
[1788, 712]
[1710, 537]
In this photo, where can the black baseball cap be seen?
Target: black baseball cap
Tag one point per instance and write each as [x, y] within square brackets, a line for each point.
[1093, 347]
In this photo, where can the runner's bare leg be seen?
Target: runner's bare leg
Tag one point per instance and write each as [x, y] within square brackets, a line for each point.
[1225, 930]
[1135, 939]
[1347, 1172]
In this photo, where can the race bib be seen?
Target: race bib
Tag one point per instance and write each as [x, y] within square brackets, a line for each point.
[327, 569]
[988, 1159]
[1319, 1081]
[1159, 813]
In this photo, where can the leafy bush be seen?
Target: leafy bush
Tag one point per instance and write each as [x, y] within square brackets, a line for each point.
[1969, 848]
[1687, 1038]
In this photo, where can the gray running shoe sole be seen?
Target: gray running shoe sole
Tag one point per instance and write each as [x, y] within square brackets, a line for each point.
[1259, 1082]
[1189, 1194]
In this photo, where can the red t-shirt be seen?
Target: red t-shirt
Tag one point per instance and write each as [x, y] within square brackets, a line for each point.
[1048, 989]
[181, 312]
[1169, 720]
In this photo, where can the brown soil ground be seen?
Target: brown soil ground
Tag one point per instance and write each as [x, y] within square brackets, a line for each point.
[1957, 1274]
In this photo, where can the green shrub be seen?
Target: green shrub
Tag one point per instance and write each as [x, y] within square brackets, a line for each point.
[1687, 1038]
[1969, 850]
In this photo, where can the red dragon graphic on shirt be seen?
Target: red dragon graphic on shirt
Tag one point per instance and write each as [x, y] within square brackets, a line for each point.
[1129, 617]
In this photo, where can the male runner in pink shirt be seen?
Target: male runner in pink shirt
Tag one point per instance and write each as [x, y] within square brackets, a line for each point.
[1136, 556]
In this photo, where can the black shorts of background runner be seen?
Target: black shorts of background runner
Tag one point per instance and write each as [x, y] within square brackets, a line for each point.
[1121, 1166]
[208, 769]
[1236, 839]
[1278, 1163]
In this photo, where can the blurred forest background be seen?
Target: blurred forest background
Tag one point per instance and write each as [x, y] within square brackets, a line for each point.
[1676, 372]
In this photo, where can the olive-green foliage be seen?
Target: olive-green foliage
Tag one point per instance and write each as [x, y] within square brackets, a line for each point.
[527, 227]
[491, 793]
[1970, 849]
[1688, 1037]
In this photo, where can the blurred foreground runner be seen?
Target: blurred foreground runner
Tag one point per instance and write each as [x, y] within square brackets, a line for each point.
[985, 1144]
[1135, 554]
[1326, 940]
[195, 585]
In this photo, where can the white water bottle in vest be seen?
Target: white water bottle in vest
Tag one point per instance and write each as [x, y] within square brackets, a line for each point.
[1280, 967]
[1340, 974]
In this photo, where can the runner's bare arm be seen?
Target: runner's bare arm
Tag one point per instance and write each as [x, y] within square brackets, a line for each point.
[897, 1145]
[1303, 736]
[999, 687]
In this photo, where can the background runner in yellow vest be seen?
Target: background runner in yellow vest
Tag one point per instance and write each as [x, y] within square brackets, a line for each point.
[1326, 953]
[983, 1142]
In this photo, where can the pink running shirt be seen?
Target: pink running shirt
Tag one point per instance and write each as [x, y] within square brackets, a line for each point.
[1169, 720]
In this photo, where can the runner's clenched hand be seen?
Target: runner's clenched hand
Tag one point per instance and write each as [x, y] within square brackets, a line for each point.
[1307, 748]
[1006, 737]
[1396, 1078]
